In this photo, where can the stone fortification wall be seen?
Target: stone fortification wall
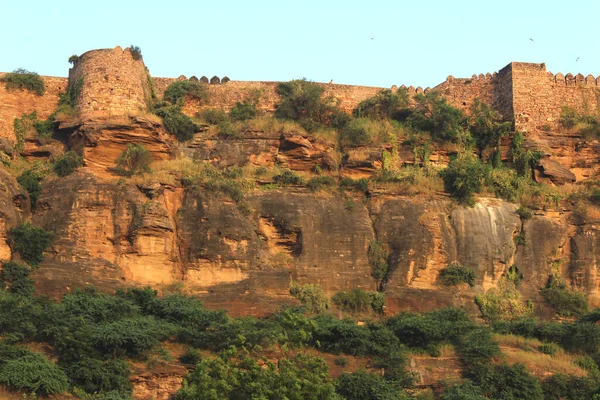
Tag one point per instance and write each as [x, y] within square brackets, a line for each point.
[225, 95]
[462, 92]
[538, 95]
[114, 84]
[13, 103]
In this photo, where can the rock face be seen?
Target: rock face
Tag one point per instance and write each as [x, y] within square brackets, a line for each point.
[14, 207]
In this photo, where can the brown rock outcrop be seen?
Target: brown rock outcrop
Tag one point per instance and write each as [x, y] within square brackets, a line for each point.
[14, 208]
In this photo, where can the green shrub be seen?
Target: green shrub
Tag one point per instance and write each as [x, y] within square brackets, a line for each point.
[568, 117]
[566, 302]
[15, 278]
[23, 79]
[302, 377]
[520, 239]
[355, 134]
[358, 300]
[191, 356]
[299, 99]
[560, 386]
[549, 348]
[136, 52]
[178, 91]
[30, 179]
[378, 257]
[477, 348]
[213, 116]
[73, 59]
[288, 177]
[243, 111]
[505, 183]
[524, 213]
[134, 160]
[30, 242]
[319, 182]
[177, 123]
[228, 130]
[94, 376]
[487, 128]
[431, 113]
[311, 295]
[503, 303]
[361, 184]
[507, 382]
[455, 274]
[341, 361]
[384, 105]
[130, 336]
[33, 373]
[463, 177]
[361, 385]
[67, 163]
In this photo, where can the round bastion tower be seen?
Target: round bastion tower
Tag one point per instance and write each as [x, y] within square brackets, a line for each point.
[114, 84]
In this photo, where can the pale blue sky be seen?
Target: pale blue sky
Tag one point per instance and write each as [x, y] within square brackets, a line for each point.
[414, 43]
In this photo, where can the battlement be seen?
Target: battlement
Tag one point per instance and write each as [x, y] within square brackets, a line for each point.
[114, 83]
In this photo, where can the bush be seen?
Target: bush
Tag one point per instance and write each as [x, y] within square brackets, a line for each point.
[463, 177]
[30, 179]
[300, 99]
[355, 134]
[243, 111]
[508, 382]
[361, 385]
[73, 59]
[384, 105]
[524, 213]
[213, 116]
[319, 182]
[136, 52]
[476, 349]
[487, 128]
[33, 373]
[361, 184]
[433, 114]
[302, 377]
[177, 123]
[67, 163]
[568, 117]
[30, 242]
[505, 183]
[503, 303]
[15, 278]
[311, 295]
[191, 356]
[560, 386]
[378, 257]
[288, 177]
[566, 302]
[358, 300]
[93, 375]
[178, 91]
[455, 274]
[549, 348]
[23, 79]
[134, 160]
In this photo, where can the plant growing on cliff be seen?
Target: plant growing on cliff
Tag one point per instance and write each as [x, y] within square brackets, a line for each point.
[30, 242]
[487, 128]
[73, 59]
[135, 159]
[566, 302]
[455, 274]
[463, 177]
[177, 123]
[384, 105]
[178, 91]
[23, 79]
[311, 295]
[378, 260]
[358, 300]
[136, 52]
[243, 111]
[503, 303]
[288, 177]
[30, 179]
[67, 163]
[15, 279]
[431, 113]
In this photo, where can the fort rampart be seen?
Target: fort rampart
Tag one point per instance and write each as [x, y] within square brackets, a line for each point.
[115, 83]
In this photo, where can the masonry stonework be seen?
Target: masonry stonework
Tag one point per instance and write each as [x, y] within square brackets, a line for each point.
[114, 84]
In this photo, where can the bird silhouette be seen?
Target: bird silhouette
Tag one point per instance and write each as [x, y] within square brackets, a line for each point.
[577, 59]
[531, 39]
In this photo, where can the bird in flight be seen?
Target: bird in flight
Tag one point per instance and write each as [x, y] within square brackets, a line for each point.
[531, 39]
[577, 59]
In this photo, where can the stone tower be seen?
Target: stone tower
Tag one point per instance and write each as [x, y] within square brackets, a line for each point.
[114, 84]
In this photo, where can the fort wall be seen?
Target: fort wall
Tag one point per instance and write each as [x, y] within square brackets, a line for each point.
[14, 103]
[114, 83]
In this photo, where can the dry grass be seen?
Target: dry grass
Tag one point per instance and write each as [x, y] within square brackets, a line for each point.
[517, 349]
[412, 180]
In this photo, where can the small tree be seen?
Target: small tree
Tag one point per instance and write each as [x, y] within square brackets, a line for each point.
[463, 177]
[67, 163]
[134, 160]
[455, 274]
[378, 260]
[30, 241]
[136, 52]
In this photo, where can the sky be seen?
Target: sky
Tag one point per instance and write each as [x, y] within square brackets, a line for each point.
[369, 43]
